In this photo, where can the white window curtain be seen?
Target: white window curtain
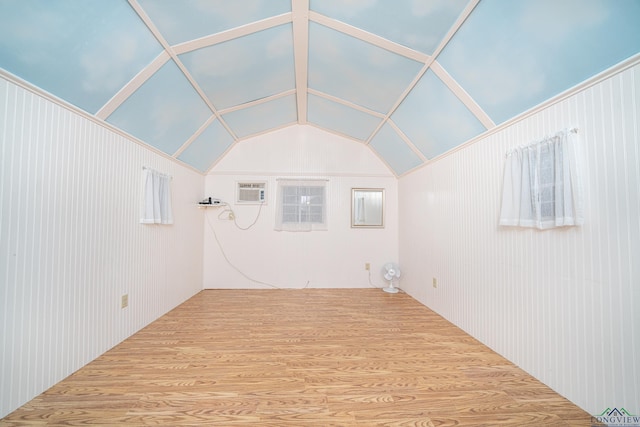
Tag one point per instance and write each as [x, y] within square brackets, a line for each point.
[542, 184]
[301, 205]
[156, 198]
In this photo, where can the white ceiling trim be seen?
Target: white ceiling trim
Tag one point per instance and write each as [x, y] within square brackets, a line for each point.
[454, 28]
[345, 103]
[409, 144]
[369, 37]
[257, 102]
[399, 101]
[462, 95]
[233, 33]
[300, 13]
[407, 141]
[133, 85]
[195, 136]
[335, 132]
[158, 35]
[259, 133]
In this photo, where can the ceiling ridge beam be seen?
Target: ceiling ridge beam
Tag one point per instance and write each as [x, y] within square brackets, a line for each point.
[232, 33]
[174, 56]
[368, 37]
[300, 16]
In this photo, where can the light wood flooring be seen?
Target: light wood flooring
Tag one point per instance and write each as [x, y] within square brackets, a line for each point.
[313, 357]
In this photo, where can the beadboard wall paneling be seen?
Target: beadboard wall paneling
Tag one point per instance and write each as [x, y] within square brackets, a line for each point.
[320, 259]
[563, 304]
[71, 244]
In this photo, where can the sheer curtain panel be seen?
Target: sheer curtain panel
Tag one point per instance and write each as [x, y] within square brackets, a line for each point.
[301, 205]
[156, 198]
[542, 184]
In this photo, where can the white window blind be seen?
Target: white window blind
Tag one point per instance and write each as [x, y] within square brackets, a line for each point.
[542, 184]
[156, 198]
[301, 205]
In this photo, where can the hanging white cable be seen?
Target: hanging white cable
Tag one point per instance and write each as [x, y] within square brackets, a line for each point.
[233, 216]
[371, 284]
[224, 255]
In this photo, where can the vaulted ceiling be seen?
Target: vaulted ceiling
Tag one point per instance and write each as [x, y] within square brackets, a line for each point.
[412, 79]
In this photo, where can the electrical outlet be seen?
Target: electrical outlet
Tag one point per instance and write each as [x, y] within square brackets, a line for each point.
[232, 216]
[435, 282]
[124, 303]
[367, 266]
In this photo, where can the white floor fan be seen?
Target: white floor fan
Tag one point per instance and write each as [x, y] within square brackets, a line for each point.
[391, 272]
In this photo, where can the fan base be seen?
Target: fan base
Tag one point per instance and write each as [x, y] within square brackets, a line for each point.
[391, 290]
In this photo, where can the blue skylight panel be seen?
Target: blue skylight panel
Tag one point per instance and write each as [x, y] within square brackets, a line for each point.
[164, 112]
[340, 118]
[244, 69]
[354, 70]
[262, 117]
[434, 119]
[80, 51]
[420, 25]
[392, 148]
[208, 147]
[183, 20]
[512, 55]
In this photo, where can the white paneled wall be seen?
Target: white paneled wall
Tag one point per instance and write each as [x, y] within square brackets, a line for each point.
[333, 258]
[563, 304]
[71, 244]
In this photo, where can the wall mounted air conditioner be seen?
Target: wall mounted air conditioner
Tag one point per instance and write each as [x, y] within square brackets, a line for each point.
[251, 192]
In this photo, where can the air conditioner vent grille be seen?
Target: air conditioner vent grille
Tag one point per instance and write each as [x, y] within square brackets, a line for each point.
[251, 192]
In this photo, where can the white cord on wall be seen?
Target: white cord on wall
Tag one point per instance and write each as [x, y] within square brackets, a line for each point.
[232, 215]
[243, 274]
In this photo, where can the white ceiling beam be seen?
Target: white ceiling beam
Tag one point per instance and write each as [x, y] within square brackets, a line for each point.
[231, 34]
[195, 136]
[409, 88]
[447, 38]
[345, 103]
[449, 81]
[462, 95]
[266, 99]
[300, 14]
[133, 85]
[456, 26]
[174, 56]
[407, 141]
[369, 37]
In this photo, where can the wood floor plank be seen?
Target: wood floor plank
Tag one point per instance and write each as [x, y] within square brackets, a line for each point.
[313, 357]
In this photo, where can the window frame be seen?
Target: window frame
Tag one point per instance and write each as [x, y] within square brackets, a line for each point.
[542, 185]
[301, 205]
